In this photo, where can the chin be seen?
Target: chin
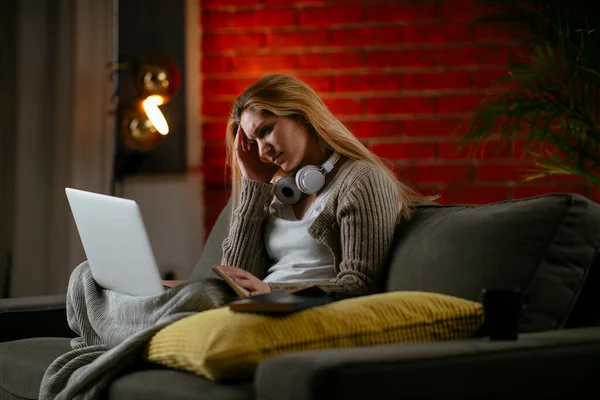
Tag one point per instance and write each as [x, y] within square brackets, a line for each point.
[283, 167]
[289, 167]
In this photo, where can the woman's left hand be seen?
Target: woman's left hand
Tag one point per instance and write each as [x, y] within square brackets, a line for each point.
[246, 280]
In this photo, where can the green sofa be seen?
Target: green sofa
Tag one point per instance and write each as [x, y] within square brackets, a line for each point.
[546, 245]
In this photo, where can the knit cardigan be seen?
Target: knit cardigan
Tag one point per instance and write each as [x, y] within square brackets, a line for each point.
[357, 225]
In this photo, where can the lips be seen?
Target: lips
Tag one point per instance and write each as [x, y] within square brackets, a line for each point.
[274, 159]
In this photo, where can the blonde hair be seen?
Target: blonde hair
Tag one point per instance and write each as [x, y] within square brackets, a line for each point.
[287, 96]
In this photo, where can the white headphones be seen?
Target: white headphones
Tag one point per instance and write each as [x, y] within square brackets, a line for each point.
[309, 179]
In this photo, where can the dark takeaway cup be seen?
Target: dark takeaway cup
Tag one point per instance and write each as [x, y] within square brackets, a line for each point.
[502, 310]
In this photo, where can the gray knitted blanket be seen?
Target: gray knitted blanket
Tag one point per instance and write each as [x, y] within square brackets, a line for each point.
[113, 329]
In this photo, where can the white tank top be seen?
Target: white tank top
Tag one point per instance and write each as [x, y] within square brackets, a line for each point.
[296, 256]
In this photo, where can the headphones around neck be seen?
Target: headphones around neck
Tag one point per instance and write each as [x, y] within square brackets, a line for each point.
[309, 179]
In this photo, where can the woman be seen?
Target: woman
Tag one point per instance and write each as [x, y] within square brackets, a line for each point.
[311, 205]
[336, 238]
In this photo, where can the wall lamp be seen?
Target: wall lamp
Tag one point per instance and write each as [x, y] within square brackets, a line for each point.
[155, 80]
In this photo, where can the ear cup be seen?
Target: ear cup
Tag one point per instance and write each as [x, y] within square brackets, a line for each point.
[286, 190]
[310, 179]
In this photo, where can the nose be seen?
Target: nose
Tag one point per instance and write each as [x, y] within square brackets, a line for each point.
[264, 149]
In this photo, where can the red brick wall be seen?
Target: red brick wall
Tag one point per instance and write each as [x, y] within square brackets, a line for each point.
[401, 75]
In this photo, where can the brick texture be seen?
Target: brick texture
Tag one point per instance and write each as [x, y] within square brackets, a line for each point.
[402, 75]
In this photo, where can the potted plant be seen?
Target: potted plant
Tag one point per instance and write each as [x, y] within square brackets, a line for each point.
[550, 95]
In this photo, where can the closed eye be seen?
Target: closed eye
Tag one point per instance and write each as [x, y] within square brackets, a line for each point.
[265, 130]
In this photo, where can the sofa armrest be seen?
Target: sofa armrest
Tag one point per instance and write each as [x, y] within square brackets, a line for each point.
[26, 317]
[556, 363]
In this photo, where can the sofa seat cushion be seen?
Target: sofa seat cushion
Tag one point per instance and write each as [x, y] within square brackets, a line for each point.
[162, 383]
[23, 363]
[544, 245]
[223, 345]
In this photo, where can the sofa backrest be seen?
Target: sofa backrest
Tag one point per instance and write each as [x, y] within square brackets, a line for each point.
[212, 251]
[544, 245]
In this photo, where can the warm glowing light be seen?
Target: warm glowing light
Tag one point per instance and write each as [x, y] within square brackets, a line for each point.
[154, 114]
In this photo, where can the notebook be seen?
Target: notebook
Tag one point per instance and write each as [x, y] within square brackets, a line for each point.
[276, 302]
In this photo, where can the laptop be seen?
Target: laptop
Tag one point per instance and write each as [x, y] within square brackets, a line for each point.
[115, 242]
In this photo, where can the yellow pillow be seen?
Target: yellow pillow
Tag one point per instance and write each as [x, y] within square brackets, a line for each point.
[220, 344]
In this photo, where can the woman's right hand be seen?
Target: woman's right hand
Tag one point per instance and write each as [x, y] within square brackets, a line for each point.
[249, 161]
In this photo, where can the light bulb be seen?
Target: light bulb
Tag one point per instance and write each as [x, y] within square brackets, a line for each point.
[150, 105]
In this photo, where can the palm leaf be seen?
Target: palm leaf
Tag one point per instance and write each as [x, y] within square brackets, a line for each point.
[551, 94]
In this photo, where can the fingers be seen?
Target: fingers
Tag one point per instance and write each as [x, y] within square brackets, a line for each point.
[246, 280]
[227, 269]
[243, 278]
[235, 272]
[243, 144]
[239, 140]
[254, 286]
[245, 283]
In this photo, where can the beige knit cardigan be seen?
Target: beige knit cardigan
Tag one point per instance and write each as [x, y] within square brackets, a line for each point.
[357, 225]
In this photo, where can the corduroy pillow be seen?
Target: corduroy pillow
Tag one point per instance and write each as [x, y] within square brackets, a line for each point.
[222, 345]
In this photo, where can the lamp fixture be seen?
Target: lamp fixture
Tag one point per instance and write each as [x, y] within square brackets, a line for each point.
[155, 116]
[137, 130]
[157, 75]
[156, 80]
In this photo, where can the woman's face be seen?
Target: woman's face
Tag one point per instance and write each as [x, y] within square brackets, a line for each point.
[283, 141]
